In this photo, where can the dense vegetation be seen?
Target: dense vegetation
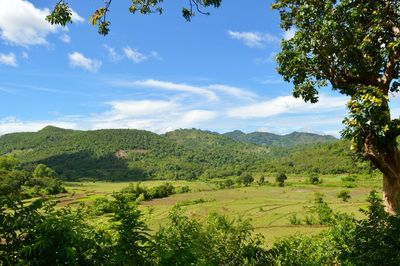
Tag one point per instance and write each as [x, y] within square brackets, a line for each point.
[270, 139]
[39, 182]
[40, 234]
[120, 154]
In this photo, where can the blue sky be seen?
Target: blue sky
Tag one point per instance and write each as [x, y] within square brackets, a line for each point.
[153, 72]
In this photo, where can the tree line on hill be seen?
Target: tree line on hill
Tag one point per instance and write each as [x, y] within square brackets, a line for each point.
[182, 154]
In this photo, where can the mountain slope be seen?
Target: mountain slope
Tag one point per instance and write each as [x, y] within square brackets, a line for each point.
[289, 140]
[121, 154]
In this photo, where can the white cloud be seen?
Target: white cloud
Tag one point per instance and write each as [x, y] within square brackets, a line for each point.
[134, 55]
[21, 23]
[77, 59]
[154, 115]
[11, 124]
[287, 105]
[254, 39]
[137, 57]
[194, 117]
[8, 59]
[289, 34]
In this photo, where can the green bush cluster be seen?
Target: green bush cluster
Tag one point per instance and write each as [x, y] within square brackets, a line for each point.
[14, 178]
[136, 191]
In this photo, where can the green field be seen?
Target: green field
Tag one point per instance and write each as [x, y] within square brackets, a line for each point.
[268, 206]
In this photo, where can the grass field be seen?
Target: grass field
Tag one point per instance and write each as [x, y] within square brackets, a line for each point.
[268, 206]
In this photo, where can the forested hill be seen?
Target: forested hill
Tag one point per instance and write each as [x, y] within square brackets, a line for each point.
[289, 140]
[119, 154]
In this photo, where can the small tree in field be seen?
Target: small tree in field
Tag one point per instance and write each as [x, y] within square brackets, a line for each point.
[344, 195]
[280, 179]
[246, 179]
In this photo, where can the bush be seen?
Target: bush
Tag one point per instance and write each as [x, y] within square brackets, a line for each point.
[313, 178]
[375, 240]
[344, 195]
[102, 206]
[320, 212]
[350, 178]
[245, 179]
[162, 191]
[217, 241]
[184, 189]
[226, 183]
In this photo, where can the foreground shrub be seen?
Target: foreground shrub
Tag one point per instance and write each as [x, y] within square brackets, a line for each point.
[376, 239]
[217, 241]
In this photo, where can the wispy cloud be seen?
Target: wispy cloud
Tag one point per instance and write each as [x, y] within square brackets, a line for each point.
[65, 38]
[131, 54]
[210, 91]
[8, 59]
[112, 53]
[234, 91]
[137, 57]
[77, 59]
[169, 86]
[287, 105]
[254, 39]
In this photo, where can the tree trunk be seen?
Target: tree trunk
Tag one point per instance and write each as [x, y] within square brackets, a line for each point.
[389, 165]
[391, 195]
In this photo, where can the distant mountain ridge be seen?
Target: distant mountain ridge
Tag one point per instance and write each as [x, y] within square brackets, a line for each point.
[289, 140]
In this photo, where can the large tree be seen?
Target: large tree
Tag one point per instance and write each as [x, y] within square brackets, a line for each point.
[351, 45]
[354, 46]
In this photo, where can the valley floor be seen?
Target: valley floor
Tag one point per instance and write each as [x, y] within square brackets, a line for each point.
[268, 206]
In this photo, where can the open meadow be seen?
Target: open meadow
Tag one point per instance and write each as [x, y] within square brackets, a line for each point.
[268, 206]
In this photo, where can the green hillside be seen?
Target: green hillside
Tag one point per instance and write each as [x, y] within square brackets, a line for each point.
[289, 140]
[127, 154]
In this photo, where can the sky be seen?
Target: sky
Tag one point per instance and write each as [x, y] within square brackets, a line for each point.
[152, 72]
